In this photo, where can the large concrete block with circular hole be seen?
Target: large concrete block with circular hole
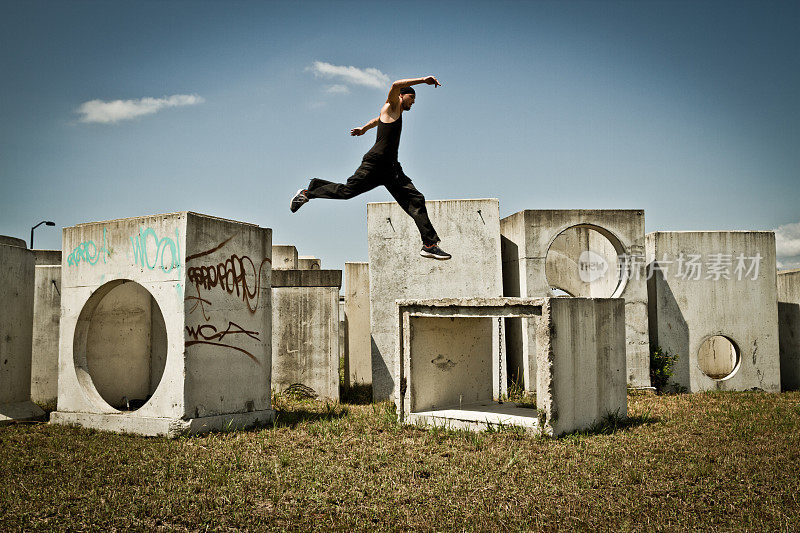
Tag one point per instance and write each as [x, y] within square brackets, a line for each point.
[16, 331]
[590, 253]
[714, 304]
[166, 325]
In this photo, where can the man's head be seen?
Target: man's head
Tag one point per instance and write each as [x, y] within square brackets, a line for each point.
[407, 97]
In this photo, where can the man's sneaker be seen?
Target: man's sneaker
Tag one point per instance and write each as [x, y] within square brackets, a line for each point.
[298, 200]
[434, 252]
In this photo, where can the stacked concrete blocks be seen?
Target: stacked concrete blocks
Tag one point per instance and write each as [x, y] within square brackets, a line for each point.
[452, 372]
[470, 231]
[789, 328]
[308, 262]
[166, 325]
[46, 320]
[284, 257]
[17, 265]
[305, 336]
[713, 303]
[582, 252]
[358, 352]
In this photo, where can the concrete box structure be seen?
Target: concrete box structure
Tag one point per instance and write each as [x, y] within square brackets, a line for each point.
[452, 373]
[46, 320]
[305, 336]
[166, 325]
[284, 257]
[358, 352]
[308, 262]
[713, 302]
[789, 328]
[16, 332]
[578, 252]
[470, 231]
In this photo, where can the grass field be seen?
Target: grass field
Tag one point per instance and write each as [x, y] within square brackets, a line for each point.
[727, 461]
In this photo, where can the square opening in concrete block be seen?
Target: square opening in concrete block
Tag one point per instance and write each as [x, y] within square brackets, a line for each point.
[453, 369]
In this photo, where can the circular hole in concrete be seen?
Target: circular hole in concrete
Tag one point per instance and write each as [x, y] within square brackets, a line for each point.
[120, 346]
[583, 261]
[718, 357]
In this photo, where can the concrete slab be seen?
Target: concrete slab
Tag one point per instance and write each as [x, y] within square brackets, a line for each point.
[284, 256]
[166, 324]
[305, 335]
[577, 252]
[453, 370]
[470, 231]
[16, 332]
[713, 302]
[789, 328]
[46, 321]
[308, 262]
[358, 352]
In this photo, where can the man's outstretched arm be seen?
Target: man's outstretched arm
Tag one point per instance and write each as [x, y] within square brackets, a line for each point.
[394, 92]
[363, 129]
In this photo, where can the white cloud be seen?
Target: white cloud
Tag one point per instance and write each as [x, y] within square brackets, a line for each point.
[368, 77]
[101, 112]
[337, 89]
[787, 245]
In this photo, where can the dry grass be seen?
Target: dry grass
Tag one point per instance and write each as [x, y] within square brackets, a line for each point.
[707, 461]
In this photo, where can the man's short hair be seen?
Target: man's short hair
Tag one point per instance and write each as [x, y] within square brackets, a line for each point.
[408, 90]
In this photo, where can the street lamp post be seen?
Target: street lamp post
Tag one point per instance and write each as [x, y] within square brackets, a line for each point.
[46, 223]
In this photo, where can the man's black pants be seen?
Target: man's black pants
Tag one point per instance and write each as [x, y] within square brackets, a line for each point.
[370, 175]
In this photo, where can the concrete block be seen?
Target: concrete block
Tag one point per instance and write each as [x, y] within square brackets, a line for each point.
[16, 332]
[451, 370]
[358, 352]
[305, 335]
[789, 328]
[576, 252]
[308, 262]
[713, 302]
[470, 231]
[166, 325]
[284, 256]
[46, 321]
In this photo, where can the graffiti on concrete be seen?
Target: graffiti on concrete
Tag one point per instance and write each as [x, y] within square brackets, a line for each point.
[89, 252]
[208, 334]
[164, 252]
[230, 275]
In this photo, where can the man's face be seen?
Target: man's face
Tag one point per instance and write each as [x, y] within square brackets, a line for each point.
[406, 101]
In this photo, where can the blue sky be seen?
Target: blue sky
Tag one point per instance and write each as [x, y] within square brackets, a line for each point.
[689, 110]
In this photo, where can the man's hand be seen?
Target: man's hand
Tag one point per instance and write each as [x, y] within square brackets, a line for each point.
[355, 132]
[430, 80]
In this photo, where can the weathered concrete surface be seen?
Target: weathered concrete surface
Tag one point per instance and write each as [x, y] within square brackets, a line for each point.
[453, 373]
[689, 306]
[308, 262]
[176, 306]
[284, 256]
[16, 332]
[543, 249]
[789, 328]
[470, 231]
[46, 320]
[13, 241]
[305, 335]
[358, 352]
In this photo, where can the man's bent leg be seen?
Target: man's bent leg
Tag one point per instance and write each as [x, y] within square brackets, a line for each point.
[413, 202]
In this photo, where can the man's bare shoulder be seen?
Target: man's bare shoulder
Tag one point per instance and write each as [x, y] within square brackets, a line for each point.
[390, 113]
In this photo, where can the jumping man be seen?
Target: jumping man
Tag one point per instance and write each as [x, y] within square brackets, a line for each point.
[379, 166]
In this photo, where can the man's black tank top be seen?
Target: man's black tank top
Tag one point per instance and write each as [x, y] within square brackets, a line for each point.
[388, 140]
